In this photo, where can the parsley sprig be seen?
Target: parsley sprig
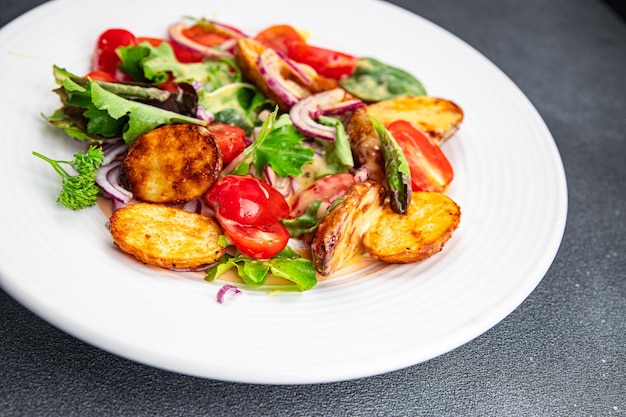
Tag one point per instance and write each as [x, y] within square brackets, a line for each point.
[80, 190]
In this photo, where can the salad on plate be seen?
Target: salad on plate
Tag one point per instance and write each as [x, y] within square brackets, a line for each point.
[260, 158]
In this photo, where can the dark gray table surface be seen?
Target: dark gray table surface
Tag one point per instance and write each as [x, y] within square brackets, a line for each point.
[561, 353]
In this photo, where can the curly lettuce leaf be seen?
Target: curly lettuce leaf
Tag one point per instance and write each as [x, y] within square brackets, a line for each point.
[141, 118]
[155, 64]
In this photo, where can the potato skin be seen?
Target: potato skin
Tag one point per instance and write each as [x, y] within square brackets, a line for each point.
[337, 240]
[438, 117]
[171, 164]
[420, 233]
[165, 236]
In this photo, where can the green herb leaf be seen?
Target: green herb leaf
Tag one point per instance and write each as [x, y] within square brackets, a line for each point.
[338, 154]
[80, 190]
[373, 80]
[397, 171]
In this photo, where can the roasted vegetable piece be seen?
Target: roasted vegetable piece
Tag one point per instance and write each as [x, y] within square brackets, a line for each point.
[438, 117]
[421, 232]
[365, 144]
[172, 164]
[337, 241]
[165, 236]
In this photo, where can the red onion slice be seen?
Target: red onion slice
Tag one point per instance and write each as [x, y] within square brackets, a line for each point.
[294, 67]
[270, 63]
[108, 180]
[225, 289]
[327, 102]
[193, 206]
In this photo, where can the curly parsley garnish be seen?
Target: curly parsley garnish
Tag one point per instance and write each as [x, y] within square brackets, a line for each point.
[80, 190]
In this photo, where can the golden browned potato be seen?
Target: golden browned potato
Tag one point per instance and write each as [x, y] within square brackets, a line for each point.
[337, 240]
[416, 235]
[438, 117]
[246, 55]
[165, 236]
[172, 164]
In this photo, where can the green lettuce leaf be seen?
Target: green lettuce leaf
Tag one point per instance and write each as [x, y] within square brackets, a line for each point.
[287, 265]
[141, 118]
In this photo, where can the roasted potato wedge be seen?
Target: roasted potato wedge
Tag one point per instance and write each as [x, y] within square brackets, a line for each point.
[337, 240]
[438, 117]
[420, 233]
[171, 164]
[247, 54]
[165, 236]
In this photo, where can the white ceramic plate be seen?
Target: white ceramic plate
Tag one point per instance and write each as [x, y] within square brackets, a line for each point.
[62, 265]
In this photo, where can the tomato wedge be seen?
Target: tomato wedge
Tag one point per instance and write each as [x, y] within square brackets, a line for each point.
[278, 36]
[328, 63]
[247, 200]
[430, 168]
[326, 189]
[259, 242]
[230, 139]
[205, 34]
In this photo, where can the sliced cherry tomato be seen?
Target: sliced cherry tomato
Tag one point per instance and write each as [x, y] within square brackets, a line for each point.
[183, 55]
[205, 34]
[328, 63]
[277, 37]
[326, 189]
[259, 242]
[104, 57]
[247, 200]
[230, 139]
[101, 76]
[430, 169]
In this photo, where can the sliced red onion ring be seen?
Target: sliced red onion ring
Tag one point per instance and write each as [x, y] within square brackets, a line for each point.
[221, 293]
[113, 150]
[282, 185]
[269, 63]
[193, 206]
[203, 114]
[176, 35]
[108, 178]
[327, 102]
[361, 174]
[295, 68]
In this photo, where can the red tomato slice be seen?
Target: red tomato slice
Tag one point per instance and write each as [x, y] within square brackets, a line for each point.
[259, 242]
[326, 189]
[183, 55]
[104, 57]
[230, 139]
[430, 169]
[205, 34]
[247, 200]
[277, 37]
[328, 63]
